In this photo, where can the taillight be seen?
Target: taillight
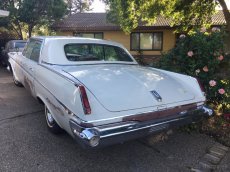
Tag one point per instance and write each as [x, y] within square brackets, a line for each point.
[201, 86]
[84, 100]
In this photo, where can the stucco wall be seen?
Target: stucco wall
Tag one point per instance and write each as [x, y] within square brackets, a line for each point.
[119, 36]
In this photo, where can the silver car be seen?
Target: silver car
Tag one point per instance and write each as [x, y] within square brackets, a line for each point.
[11, 46]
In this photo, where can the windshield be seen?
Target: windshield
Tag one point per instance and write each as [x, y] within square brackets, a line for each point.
[20, 44]
[95, 52]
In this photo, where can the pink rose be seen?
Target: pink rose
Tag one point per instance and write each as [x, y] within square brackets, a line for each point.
[205, 68]
[182, 36]
[190, 53]
[212, 83]
[221, 91]
[220, 57]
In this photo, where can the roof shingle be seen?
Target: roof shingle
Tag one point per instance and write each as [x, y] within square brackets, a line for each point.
[98, 22]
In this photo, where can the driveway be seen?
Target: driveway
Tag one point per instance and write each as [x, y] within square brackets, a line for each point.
[27, 145]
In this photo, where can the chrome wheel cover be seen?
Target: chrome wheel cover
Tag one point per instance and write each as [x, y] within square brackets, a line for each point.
[49, 118]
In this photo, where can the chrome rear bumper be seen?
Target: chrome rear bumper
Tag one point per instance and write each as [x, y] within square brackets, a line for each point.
[108, 134]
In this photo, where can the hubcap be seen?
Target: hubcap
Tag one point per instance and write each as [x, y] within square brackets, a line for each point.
[50, 117]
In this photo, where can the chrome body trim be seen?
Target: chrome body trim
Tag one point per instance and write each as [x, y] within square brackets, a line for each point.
[61, 73]
[156, 95]
[123, 131]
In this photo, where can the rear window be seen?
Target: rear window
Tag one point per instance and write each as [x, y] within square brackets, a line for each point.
[95, 52]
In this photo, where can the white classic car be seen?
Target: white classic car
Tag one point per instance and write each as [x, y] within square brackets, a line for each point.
[97, 92]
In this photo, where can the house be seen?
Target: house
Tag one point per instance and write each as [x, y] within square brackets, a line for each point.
[145, 41]
[4, 13]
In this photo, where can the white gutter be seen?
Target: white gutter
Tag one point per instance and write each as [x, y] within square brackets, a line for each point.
[4, 13]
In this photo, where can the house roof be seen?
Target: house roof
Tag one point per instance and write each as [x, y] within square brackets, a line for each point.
[85, 21]
[218, 18]
[98, 22]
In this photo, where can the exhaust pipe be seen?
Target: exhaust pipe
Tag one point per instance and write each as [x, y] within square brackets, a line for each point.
[208, 110]
[91, 136]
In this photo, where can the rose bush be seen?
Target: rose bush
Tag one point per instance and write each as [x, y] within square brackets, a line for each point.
[201, 54]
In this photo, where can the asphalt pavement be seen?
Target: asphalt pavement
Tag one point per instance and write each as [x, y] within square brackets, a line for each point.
[27, 145]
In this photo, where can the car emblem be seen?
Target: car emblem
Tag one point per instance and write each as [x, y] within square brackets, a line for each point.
[156, 95]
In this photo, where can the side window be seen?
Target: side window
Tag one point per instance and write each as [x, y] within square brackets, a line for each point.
[32, 50]
[28, 49]
[24, 51]
[36, 51]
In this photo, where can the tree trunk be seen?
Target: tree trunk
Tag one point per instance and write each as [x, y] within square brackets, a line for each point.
[227, 18]
[20, 29]
[226, 13]
[30, 29]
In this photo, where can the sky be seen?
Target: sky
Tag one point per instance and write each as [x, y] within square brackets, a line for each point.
[228, 4]
[99, 6]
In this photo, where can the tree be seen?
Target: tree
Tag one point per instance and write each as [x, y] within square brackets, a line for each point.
[78, 6]
[26, 14]
[226, 13]
[12, 21]
[183, 13]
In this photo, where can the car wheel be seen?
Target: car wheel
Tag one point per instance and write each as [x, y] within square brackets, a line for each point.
[51, 123]
[16, 82]
[9, 68]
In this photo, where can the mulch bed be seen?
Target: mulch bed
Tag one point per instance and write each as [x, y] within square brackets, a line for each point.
[218, 127]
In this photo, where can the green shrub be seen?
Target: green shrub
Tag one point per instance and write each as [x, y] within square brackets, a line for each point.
[201, 54]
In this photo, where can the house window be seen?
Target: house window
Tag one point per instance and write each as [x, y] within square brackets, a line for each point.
[97, 35]
[146, 41]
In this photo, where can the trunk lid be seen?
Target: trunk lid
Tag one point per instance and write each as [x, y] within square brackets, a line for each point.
[126, 87]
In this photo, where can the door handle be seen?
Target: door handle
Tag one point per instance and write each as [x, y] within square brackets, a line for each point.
[31, 69]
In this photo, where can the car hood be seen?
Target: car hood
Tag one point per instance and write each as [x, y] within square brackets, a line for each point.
[126, 87]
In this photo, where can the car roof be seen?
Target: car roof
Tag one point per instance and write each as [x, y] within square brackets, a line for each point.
[53, 51]
[86, 40]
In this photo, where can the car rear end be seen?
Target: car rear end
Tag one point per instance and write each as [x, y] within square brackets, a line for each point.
[118, 125]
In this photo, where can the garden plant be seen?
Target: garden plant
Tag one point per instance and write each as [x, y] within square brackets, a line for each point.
[201, 54]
